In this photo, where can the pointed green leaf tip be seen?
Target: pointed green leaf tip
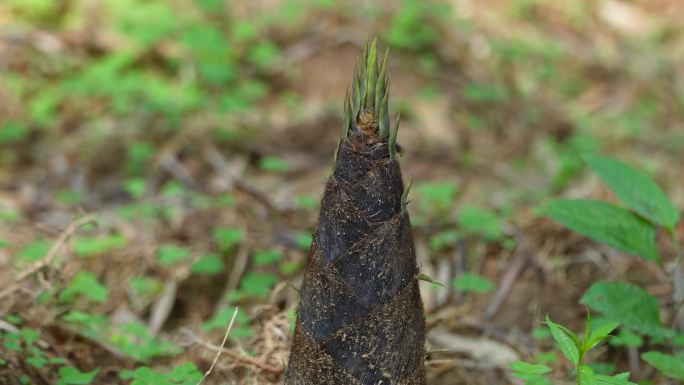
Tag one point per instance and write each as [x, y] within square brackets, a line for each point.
[366, 106]
[392, 141]
[347, 114]
[372, 73]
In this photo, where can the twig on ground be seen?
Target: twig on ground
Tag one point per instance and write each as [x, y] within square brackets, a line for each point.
[162, 306]
[220, 165]
[634, 364]
[49, 257]
[241, 259]
[173, 166]
[238, 358]
[220, 350]
[508, 280]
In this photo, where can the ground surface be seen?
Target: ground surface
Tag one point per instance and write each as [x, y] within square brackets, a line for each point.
[161, 164]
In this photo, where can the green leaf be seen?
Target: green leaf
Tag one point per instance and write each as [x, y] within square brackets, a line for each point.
[634, 307]
[169, 254]
[445, 238]
[34, 251]
[267, 257]
[670, 366]
[221, 319]
[145, 286]
[426, 278]
[86, 284]
[134, 339]
[37, 361]
[12, 132]
[604, 368]
[273, 164]
[257, 284]
[208, 264]
[186, 373]
[13, 319]
[635, 189]
[305, 202]
[527, 368]
[566, 341]
[627, 337]
[606, 223]
[599, 334]
[546, 357]
[135, 187]
[69, 375]
[90, 246]
[227, 237]
[469, 282]
[29, 336]
[587, 328]
[586, 376]
[618, 379]
[436, 196]
[303, 240]
[678, 340]
[183, 374]
[289, 267]
[474, 219]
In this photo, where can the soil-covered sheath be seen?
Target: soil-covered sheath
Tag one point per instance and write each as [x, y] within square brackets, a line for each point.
[360, 319]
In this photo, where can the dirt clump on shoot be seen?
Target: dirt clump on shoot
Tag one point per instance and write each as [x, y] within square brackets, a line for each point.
[360, 319]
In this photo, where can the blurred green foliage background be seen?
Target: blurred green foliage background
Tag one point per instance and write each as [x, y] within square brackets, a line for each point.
[198, 134]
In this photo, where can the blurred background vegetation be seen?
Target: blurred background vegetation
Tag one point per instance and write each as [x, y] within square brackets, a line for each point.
[161, 163]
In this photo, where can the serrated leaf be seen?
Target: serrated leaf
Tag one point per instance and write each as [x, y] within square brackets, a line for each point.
[606, 223]
[635, 189]
[427, 278]
[670, 366]
[570, 334]
[566, 341]
[631, 305]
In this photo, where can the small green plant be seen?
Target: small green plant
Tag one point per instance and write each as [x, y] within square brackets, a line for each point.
[575, 351]
[184, 374]
[68, 375]
[169, 254]
[208, 264]
[87, 285]
[631, 229]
